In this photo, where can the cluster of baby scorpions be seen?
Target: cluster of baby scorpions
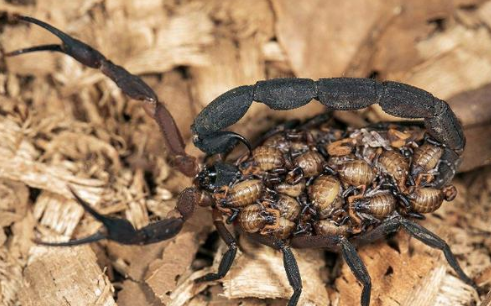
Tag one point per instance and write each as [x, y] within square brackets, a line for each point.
[323, 181]
[314, 185]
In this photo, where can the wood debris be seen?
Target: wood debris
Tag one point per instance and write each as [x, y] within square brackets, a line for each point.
[63, 124]
[70, 275]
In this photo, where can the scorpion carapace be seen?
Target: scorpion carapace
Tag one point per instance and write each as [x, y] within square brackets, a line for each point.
[312, 185]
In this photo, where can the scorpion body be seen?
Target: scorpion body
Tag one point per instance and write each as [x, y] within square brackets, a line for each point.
[325, 194]
[324, 201]
[356, 173]
[427, 200]
[378, 206]
[244, 193]
[268, 158]
[288, 207]
[291, 190]
[395, 165]
[343, 179]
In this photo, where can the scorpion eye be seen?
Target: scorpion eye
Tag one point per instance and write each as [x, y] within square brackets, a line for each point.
[206, 178]
[406, 153]
[220, 174]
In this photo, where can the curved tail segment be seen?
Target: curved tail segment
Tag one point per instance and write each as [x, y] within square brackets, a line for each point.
[394, 98]
[131, 85]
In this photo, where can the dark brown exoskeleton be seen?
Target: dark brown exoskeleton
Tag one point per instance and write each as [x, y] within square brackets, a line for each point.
[268, 158]
[427, 199]
[442, 130]
[425, 159]
[254, 218]
[375, 207]
[394, 164]
[308, 164]
[325, 194]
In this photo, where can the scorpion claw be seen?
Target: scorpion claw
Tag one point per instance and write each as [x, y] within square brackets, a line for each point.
[131, 85]
[52, 48]
[89, 239]
[80, 51]
[121, 230]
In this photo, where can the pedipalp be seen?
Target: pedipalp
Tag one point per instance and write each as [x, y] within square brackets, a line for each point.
[131, 85]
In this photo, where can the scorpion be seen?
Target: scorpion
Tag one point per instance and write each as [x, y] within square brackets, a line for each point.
[310, 185]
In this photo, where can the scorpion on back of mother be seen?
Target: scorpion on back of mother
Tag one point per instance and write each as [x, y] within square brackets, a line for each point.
[317, 184]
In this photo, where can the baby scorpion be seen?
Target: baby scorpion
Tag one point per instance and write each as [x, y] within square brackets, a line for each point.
[228, 191]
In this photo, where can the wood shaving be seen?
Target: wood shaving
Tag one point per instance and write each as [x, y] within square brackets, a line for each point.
[63, 125]
[69, 275]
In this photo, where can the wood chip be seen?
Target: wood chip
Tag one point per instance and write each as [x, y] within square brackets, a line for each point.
[258, 271]
[64, 124]
[57, 276]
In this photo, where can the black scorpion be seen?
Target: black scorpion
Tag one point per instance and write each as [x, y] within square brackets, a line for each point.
[395, 98]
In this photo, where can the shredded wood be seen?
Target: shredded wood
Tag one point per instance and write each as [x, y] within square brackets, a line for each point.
[70, 276]
[64, 125]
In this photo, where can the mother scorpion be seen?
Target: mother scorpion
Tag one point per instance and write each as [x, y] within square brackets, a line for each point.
[284, 194]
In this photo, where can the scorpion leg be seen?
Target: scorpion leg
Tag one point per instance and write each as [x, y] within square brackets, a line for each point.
[358, 268]
[293, 274]
[432, 240]
[228, 257]
[349, 254]
[122, 231]
[289, 262]
[130, 84]
[393, 224]
[387, 227]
